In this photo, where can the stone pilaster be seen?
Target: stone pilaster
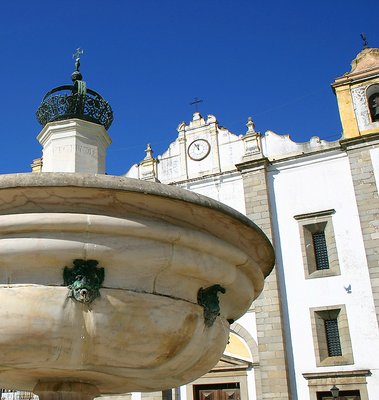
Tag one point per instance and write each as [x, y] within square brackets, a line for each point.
[363, 153]
[37, 165]
[252, 141]
[148, 166]
[183, 151]
[273, 373]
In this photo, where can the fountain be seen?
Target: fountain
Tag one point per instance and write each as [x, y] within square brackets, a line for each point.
[110, 284]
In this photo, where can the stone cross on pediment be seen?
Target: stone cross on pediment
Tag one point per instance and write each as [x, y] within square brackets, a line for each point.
[196, 101]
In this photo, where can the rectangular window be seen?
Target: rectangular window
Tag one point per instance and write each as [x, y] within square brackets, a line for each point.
[318, 244]
[331, 337]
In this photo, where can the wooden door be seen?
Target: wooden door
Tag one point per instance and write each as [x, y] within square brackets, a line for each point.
[219, 394]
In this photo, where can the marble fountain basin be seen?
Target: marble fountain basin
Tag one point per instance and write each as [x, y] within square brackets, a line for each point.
[156, 250]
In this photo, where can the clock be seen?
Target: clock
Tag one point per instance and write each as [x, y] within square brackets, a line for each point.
[199, 149]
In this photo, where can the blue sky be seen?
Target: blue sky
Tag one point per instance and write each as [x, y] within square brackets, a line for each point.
[272, 60]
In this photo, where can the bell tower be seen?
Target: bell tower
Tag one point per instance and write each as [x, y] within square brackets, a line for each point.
[357, 94]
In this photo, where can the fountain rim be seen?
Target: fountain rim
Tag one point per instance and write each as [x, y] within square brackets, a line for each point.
[132, 185]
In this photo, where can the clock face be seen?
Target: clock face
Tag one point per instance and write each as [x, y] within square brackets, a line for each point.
[199, 149]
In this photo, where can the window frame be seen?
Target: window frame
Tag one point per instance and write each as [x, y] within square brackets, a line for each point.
[318, 317]
[310, 223]
[346, 380]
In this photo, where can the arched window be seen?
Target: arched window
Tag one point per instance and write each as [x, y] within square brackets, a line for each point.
[373, 102]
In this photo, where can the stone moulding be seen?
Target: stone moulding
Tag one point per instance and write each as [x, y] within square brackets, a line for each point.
[159, 246]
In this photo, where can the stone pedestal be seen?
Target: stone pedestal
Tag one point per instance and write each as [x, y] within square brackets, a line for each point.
[74, 146]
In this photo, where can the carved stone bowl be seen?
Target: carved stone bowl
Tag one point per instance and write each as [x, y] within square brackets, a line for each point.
[162, 273]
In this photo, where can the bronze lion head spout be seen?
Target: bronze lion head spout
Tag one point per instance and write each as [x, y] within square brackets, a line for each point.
[84, 280]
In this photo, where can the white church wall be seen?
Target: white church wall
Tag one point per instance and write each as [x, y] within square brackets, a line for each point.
[169, 169]
[251, 387]
[309, 185]
[176, 164]
[136, 396]
[276, 146]
[231, 149]
[373, 385]
[183, 392]
[248, 321]
[133, 172]
[225, 188]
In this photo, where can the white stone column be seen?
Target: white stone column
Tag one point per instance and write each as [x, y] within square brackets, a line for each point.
[74, 145]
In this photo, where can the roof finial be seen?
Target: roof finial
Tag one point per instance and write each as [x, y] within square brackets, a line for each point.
[76, 75]
[149, 152]
[364, 39]
[250, 126]
[76, 55]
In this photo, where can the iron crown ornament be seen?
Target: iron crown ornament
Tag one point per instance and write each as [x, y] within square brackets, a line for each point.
[75, 101]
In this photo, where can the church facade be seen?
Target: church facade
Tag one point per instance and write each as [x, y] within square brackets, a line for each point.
[315, 326]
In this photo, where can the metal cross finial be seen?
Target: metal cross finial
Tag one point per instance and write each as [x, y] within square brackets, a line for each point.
[76, 55]
[196, 101]
[364, 38]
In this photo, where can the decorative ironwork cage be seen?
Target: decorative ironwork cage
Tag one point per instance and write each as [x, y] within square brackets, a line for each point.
[74, 101]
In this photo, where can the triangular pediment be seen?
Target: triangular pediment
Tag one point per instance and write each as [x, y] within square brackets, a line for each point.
[228, 363]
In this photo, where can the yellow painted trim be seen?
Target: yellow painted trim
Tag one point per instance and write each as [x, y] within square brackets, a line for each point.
[346, 110]
[237, 347]
[370, 131]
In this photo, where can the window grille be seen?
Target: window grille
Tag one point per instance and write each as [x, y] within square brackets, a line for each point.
[321, 251]
[333, 337]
